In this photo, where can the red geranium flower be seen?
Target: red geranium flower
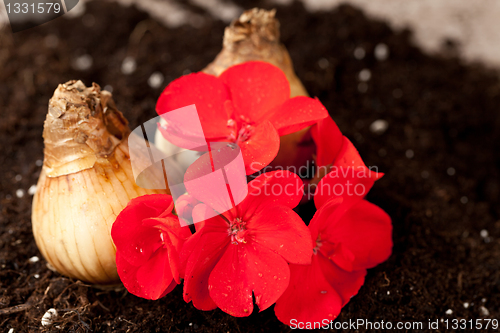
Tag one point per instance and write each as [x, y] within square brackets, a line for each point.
[246, 250]
[347, 240]
[248, 104]
[148, 239]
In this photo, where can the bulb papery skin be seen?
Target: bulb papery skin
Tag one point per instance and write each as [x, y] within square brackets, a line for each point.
[255, 36]
[85, 182]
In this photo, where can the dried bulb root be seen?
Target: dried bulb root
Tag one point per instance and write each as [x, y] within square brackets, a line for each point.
[86, 181]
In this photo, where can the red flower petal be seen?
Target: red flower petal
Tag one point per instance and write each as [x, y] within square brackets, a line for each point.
[348, 178]
[261, 148]
[136, 242]
[256, 88]
[282, 231]
[213, 223]
[152, 280]
[205, 181]
[199, 256]
[207, 92]
[182, 132]
[348, 156]
[328, 140]
[173, 238]
[366, 231]
[347, 284]
[326, 215]
[309, 297]
[148, 238]
[297, 113]
[184, 206]
[244, 268]
[348, 183]
[279, 187]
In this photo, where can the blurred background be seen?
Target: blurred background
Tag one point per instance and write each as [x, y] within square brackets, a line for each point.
[474, 26]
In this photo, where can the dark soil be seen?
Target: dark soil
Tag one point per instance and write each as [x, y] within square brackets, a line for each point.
[442, 110]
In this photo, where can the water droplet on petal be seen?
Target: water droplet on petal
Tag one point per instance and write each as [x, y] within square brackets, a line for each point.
[323, 291]
[275, 277]
[260, 274]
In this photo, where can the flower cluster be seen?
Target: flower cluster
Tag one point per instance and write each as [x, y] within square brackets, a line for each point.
[260, 250]
[248, 104]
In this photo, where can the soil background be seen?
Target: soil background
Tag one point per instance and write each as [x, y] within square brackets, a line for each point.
[440, 155]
